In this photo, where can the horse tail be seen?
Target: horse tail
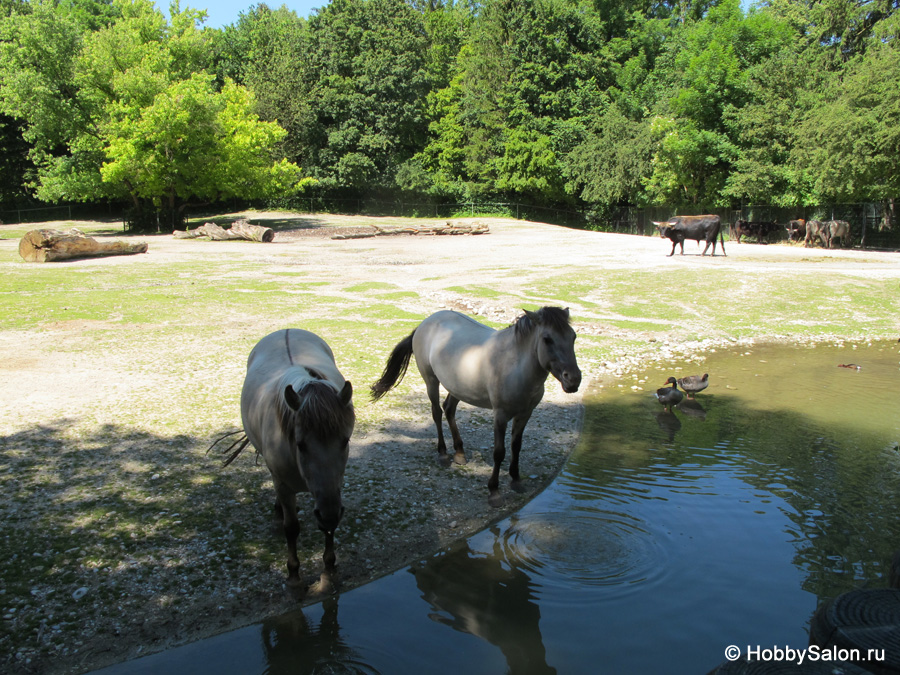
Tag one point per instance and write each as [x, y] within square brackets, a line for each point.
[240, 444]
[395, 369]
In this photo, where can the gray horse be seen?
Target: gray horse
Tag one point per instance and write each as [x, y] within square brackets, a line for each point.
[297, 411]
[501, 370]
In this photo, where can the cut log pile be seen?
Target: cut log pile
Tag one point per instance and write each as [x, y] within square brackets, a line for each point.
[240, 229]
[449, 228]
[53, 245]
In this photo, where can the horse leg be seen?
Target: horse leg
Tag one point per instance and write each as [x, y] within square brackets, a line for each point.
[518, 428]
[500, 422]
[288, 502]
[434, 395]
[450, 403]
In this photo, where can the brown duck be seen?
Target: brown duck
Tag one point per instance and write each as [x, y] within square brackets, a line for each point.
[669, 396]
[693, 383]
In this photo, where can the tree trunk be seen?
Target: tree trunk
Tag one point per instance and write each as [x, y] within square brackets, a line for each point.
[240, 229]
[449, 228]
[52, 245]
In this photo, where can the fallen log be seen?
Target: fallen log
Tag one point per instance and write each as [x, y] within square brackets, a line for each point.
[427, 230]
[53, 245]
[240, 229]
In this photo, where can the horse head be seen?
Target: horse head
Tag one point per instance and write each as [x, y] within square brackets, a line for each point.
[321, 420]
[555, 345]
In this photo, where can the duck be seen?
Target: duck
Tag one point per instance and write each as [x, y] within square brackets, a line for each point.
[669, 396]
[693, 384]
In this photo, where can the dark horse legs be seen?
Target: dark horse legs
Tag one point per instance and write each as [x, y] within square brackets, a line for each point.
[450, 403]
[501, 420]
[437, 413]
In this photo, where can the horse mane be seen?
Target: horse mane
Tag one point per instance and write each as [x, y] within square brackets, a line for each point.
[552, 317]
[321, 410]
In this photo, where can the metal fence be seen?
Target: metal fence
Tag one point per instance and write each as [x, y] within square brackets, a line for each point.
[865, 218]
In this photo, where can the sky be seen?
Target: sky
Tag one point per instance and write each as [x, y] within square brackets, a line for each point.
[223, 12]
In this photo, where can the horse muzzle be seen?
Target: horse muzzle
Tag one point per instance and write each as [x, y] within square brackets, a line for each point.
[569, 378]
[329, 520]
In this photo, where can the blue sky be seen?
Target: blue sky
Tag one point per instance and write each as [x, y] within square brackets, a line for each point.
[223, 12]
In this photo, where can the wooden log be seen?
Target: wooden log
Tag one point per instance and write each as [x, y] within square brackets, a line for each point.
[424, 230]
[53, 245]
[863, 620]
[243, 229]
[240, 229]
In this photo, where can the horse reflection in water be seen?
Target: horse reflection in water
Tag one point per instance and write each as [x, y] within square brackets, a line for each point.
[294, 646]
[489, 596]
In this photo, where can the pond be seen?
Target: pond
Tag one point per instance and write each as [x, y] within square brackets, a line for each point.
[665, 539]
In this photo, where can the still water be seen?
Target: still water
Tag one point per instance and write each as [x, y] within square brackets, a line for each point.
[666, 538]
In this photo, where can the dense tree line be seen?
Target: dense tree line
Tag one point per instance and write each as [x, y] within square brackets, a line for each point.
[597, 103]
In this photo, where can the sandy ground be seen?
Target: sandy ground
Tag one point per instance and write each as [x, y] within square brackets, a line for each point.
[514, 255]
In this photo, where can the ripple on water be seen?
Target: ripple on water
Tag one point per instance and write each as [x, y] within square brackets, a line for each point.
[586, 549]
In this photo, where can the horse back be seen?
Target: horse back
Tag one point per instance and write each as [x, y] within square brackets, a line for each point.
[261, 408]
[460, 352]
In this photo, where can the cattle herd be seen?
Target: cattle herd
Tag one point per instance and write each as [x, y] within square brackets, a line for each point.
[809, 231]
[708, 228]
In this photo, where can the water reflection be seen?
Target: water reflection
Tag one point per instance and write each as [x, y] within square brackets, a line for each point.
[488, 595]
[322, 647]
[669, 424]
[692, 408]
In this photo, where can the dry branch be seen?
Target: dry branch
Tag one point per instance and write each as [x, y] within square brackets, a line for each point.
[240, 229]
[52, 245]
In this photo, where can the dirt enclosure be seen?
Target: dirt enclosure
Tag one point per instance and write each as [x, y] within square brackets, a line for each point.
[122, 536]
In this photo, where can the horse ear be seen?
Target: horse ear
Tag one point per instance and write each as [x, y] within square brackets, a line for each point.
[566, 310]
[533, 317]
[346, 393]
[291, 397]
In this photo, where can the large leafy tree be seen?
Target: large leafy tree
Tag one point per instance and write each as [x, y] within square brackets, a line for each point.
[707, 77]
[127, 110]
[850, 142]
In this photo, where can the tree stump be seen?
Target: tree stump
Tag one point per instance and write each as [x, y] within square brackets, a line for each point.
[861, 620]
[240, 229]
[52, 245]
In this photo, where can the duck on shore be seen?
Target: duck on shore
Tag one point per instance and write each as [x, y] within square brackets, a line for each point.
[669, 396]
[693, 384]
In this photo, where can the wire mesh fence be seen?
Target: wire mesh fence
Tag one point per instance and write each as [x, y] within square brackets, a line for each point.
[866, 219]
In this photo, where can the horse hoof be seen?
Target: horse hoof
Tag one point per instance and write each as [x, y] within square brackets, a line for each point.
[460, 458]
[495, 499]
[324, 586]
[443, 460]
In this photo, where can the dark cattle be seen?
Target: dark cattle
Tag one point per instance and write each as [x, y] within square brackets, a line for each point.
[815, 229]
[698, 228]
[747, 228]
[796, 230]
[837, 229]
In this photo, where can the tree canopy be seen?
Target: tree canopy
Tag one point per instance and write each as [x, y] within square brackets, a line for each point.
[594, 103]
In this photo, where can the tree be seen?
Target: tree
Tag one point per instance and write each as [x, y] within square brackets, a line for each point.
[849, 144]
[129, 111]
